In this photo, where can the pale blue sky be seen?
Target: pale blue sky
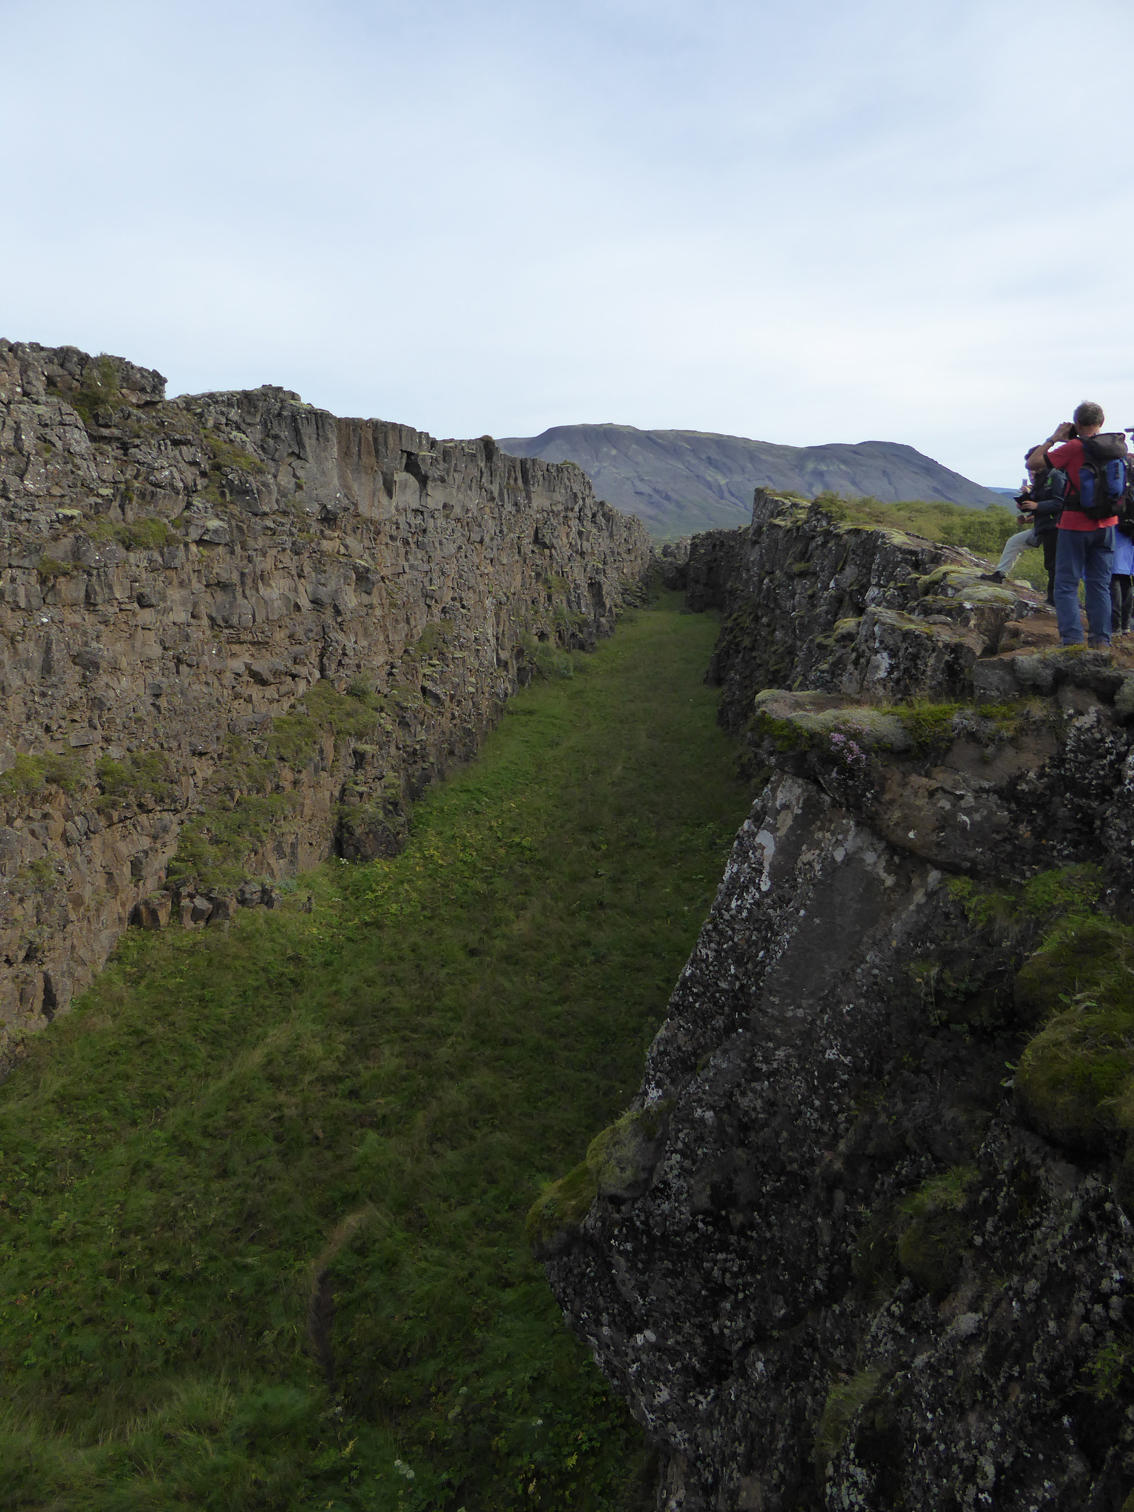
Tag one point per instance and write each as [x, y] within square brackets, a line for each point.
[838, 220]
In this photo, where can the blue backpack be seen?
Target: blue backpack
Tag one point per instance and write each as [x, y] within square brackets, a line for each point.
[1103, 477]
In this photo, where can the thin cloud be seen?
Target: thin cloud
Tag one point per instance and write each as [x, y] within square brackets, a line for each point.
[835, 221]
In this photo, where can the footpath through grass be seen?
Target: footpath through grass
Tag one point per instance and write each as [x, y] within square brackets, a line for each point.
[262, 1193]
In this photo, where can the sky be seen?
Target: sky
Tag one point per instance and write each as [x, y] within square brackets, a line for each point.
[838, 220]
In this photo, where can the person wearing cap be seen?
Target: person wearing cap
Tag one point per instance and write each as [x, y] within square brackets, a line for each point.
[1085, 547]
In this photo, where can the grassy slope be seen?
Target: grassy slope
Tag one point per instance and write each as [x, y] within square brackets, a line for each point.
[262, 1192]
[981, 530]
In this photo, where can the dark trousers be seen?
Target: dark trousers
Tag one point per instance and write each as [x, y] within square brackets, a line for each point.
[1049, 540]
[1121, 601]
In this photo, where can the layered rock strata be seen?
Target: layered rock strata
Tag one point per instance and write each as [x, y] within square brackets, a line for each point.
[238, 633]
[862, 1240]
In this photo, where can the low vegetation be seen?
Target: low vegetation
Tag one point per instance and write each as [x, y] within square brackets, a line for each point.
[143, 778]
[244, 800]
[29, 776]
[148, 533]
[99, 390]
[262, 1193]
[1075, 991]
[981, 530]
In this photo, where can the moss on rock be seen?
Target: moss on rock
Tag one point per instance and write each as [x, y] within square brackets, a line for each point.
[952, 581]
[622, 1158]
[1081, 957]
[931, 1249]
[1076, 1078]
[845, 1400]
[807, 721]
[560, 1211]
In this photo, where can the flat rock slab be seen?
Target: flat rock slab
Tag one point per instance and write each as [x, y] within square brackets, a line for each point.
[828, 714]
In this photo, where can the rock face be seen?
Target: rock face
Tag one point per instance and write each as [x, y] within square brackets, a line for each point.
[679, 481]
[861, 1241]
[237, 634]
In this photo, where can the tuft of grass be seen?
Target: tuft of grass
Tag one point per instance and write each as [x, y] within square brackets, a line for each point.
[264, 1189]
[227, 455]
[149, 533]
[49, 568]
[931, 1248]
[845, 1400]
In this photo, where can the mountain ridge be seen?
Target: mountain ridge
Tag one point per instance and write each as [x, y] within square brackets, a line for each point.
[682, 481]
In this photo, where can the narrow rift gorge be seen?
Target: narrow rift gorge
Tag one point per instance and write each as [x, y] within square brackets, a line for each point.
[263, 1191]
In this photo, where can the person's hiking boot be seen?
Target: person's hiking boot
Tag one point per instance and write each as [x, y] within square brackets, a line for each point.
[992, 577]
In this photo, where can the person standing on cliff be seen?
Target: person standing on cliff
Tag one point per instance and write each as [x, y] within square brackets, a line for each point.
[1085, 546]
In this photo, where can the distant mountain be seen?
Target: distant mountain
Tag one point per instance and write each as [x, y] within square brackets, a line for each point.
[680, 481]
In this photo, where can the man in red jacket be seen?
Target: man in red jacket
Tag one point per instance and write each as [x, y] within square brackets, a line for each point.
[1085, 547]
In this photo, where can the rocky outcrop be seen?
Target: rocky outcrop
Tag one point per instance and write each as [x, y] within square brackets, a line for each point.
[871, 613]
[238, 633]
[862, 1240]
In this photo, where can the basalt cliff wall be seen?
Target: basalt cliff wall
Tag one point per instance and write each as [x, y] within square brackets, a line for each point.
[238, 634]
[862, 1239]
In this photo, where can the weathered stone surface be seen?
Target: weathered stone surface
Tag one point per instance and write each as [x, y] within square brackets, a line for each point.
[845, 1271]
[153, 912]
[809, 602]
[176, 575]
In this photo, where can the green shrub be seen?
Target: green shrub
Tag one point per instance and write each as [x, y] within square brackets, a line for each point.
[98, 389]
[29, 775]
[140, 776]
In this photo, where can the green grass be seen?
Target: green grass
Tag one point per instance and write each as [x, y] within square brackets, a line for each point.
[150, 533]
[981, 530]
[264, 1190]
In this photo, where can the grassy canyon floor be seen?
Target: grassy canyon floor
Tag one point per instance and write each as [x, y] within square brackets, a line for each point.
[262, 1193]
